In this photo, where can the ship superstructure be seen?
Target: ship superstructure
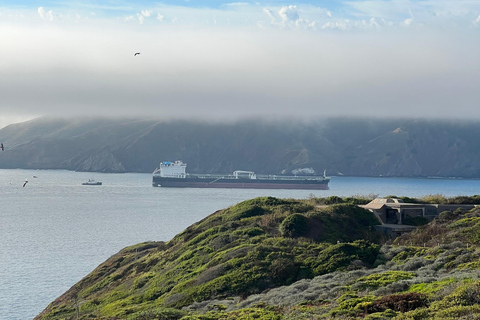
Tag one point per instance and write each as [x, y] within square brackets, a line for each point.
[168, 169]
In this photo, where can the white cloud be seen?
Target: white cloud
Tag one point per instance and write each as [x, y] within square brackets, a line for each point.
[394, 13]
[305, 24]
[358, 59]
[408, 22]
[147, 13]
[7, 118]
[477, 21]
[270, 13]
[288, 16]
[374, 23]
[44, 14]
[237, 4]
[289, 13]
[340, 25]
[348, 25]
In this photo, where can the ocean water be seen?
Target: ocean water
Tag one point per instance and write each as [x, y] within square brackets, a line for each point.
[54, 231]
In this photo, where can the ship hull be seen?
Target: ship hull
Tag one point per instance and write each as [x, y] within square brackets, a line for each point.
[240, 183]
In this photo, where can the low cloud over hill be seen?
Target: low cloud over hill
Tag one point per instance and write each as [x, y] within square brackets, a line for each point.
[353, 147]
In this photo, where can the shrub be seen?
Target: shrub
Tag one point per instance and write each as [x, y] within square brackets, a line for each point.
[467, 294]
[355, 199]
[400, 302]
[378, 280]
[414, 264]
[338, 257]
[344, 222]
[248, 212]
[159, 314]
[283, 271]
[460, 312]
[392, 288]
[446, 215]
[294, 226]
[351, 305]
[330, 200]
[434, 198]
[417, 314]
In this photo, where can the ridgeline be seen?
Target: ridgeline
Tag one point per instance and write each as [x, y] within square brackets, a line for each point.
[270, 258]
[349, 147]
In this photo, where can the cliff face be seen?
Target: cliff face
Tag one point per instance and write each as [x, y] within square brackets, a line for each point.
[101, 161]
[353, 147]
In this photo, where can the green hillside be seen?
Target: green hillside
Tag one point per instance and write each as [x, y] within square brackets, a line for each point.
[270, 258]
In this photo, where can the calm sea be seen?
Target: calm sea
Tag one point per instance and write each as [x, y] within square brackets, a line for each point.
[54, 231]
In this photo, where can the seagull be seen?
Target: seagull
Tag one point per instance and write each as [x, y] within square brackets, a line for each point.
[1, 146]
[26, 181]
[136, 53]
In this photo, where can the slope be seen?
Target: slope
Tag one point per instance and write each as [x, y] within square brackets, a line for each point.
[247, 249]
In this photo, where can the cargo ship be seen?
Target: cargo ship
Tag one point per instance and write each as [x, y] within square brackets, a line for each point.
[173, 174]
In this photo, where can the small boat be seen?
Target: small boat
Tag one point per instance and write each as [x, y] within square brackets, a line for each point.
[92, 182]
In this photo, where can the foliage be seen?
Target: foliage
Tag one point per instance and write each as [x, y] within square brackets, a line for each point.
[399, 302]
[377, 280]
[334, 220]
[340, 256]
[358, 200]
[458, 226]
[353, 305]
[243, 314]
[430, 289]
[434, 198]
[232, 252]
[158, 314]
[294, 226]
[408, 253]
[242, 263]
[467, 294]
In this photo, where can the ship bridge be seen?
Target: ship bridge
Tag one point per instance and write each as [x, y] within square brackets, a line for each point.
[239, 174]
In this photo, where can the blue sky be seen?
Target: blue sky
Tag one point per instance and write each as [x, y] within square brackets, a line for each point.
[229, 60]
[393, 10]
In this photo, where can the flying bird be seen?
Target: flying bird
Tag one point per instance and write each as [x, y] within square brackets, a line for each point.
[1, 146]
[136, 53]
[26, 181]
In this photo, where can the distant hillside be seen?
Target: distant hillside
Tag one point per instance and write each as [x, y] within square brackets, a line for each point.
[352, 147]
[270, 258]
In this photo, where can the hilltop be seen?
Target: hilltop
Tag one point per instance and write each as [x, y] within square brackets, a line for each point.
[270, 258]
[350, 147]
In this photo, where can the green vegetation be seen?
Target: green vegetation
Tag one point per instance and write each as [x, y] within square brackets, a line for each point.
[440, 199]
[270, 258]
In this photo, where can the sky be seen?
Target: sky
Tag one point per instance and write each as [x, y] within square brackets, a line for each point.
[215, 60]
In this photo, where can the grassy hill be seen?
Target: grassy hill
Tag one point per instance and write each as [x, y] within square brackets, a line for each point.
[247, 249]
[270, 258]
